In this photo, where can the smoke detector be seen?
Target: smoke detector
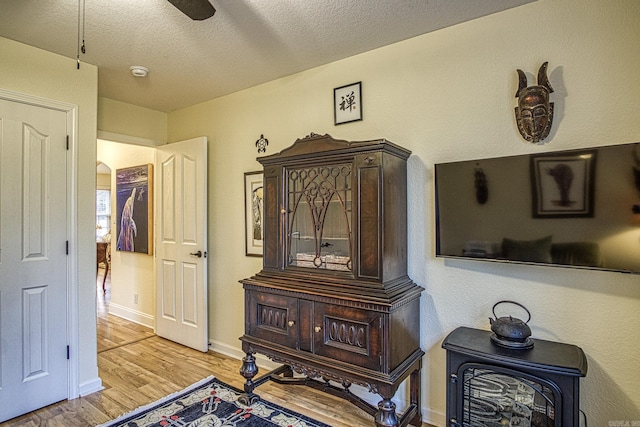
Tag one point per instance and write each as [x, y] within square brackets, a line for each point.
[139, 71]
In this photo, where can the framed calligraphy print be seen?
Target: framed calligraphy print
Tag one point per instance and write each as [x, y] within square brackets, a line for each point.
[347, 103]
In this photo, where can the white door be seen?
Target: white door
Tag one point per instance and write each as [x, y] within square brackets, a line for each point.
[181, 236]
[33, 259]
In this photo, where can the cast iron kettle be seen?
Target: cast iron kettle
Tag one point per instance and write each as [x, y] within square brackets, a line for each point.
[511, 332]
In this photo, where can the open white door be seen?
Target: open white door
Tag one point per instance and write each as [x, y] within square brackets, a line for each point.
[33, 261]
[181, 243]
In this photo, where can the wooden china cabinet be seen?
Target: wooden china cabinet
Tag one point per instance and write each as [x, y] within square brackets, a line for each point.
[333, 301]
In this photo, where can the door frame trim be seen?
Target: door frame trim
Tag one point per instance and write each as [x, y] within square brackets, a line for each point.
[71, 111]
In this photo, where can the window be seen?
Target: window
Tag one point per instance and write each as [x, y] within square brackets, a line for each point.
[103, 213]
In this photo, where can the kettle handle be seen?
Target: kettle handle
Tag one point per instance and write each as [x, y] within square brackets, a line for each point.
[510, 302]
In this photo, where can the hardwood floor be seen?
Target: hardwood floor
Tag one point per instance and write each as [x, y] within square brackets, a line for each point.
[138, 367]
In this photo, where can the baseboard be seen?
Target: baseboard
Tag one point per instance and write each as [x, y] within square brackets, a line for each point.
[89, 387]
[237, 353]
[132, 315]
[433, 418]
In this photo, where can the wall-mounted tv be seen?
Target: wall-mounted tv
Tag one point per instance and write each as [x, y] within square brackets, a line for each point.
[578, 208]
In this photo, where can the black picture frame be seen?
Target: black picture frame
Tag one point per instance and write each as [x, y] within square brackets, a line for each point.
[253, 213]
[347, 103]
[563, 184]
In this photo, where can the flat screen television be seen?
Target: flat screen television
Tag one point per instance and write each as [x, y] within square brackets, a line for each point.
[578, 208]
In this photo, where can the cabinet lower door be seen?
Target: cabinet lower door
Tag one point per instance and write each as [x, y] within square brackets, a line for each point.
[272, 317]
[349, 335]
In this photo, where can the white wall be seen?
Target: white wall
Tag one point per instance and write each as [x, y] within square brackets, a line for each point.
[449, 96]
[131, 273]
[123, 122]
[103, 181]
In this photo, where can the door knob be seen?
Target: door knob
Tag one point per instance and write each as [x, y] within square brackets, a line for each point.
[196, 254]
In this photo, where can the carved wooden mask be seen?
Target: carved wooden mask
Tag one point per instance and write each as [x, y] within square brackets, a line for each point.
[534, 113]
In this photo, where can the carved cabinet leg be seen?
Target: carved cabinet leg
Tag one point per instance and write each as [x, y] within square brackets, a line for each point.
[414, 386]
[248, 370]
[386, 415]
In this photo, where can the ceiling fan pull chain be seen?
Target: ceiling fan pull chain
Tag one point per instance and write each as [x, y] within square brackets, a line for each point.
[81, 21]
[78, 46]
[84, 8]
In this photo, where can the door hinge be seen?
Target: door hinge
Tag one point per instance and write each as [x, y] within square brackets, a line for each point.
[67, 142]
[67, 247]
[68, 353]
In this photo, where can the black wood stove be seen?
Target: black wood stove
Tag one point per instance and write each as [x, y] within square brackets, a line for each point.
[493, 386]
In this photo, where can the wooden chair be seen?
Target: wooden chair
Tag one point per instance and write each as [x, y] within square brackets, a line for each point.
[103, 255]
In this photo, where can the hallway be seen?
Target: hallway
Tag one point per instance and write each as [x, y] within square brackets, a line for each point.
[114, 331]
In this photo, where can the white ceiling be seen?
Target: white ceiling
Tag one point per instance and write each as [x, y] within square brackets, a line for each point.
[247, 42]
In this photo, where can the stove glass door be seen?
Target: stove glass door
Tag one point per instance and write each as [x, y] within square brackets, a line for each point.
[499, 397]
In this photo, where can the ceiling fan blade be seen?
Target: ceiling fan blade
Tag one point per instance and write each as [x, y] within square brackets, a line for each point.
[198, 10]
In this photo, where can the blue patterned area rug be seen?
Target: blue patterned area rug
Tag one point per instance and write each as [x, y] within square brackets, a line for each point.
[211, 403]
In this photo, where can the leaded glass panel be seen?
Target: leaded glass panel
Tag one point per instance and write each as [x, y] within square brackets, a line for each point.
[319, 223]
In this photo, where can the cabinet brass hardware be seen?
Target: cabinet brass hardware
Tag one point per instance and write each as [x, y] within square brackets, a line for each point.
[318, 328]
[291, 323]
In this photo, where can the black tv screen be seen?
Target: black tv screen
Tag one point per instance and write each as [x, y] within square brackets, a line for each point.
[578, 208]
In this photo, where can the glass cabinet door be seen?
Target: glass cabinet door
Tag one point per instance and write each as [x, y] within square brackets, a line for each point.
[319, 217]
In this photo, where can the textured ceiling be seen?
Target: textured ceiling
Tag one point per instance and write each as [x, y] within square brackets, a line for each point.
[247, 42]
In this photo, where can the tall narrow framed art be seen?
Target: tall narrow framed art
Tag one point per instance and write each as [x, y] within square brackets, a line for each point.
[134, 209]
